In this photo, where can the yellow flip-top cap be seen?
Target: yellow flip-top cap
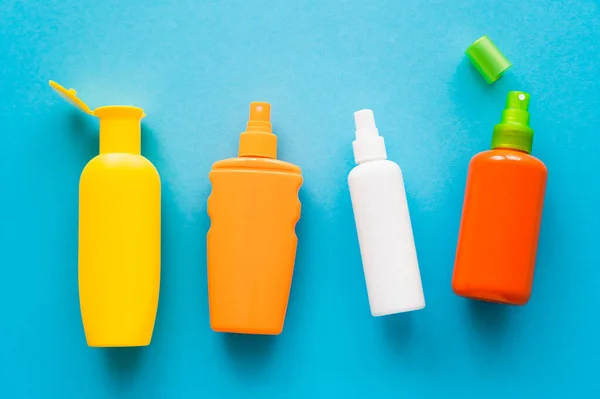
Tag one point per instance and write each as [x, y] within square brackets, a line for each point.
[71, 96]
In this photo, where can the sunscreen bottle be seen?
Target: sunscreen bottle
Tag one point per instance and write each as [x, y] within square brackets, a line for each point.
[502, 213]
[251, 244]
[119, 231]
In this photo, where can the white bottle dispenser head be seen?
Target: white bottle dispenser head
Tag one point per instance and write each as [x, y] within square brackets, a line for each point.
[369, 145]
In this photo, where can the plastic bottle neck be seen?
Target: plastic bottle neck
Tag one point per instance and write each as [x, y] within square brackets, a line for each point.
[362, 162]
[120, 129]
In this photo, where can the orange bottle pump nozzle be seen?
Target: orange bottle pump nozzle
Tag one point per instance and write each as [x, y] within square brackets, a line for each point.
[258, 140]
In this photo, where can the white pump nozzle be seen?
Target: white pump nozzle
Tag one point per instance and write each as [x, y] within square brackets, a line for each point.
[369, 145]
[365, 120]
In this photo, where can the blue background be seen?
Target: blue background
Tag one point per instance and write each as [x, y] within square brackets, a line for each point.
[194, 67]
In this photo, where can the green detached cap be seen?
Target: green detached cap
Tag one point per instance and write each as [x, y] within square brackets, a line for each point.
[513, 131]
[488, 59]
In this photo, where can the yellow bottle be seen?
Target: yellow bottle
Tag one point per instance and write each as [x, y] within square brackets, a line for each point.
[119, 231]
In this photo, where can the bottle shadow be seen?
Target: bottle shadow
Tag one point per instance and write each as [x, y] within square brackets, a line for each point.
[398, 330]
[83, 130]
[490, 319]
[123, 363]
[250, 354]
[470, 86]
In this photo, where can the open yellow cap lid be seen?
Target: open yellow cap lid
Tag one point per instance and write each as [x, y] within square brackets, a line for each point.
[71, 96]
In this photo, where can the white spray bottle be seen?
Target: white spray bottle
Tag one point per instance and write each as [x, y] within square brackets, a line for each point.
[385, 236]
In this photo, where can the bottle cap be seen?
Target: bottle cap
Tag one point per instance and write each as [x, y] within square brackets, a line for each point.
[258, 140]
[488, 59]
[369, 145]
[513, 131]
[70, 95]
[120, 129]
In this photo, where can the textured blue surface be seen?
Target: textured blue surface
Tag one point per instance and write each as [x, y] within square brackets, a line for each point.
[195, 66]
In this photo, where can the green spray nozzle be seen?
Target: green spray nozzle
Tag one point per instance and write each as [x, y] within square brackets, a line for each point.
[513, 131]
[517, 100]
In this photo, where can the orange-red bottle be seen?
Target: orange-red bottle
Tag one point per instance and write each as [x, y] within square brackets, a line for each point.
[502, 212]
[251, 244]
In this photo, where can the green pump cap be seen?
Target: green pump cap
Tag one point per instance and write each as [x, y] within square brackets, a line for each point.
[488, 59]
[513, 131]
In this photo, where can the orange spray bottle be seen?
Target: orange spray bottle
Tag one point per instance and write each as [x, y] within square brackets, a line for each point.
[502, 212]
[251, 244]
